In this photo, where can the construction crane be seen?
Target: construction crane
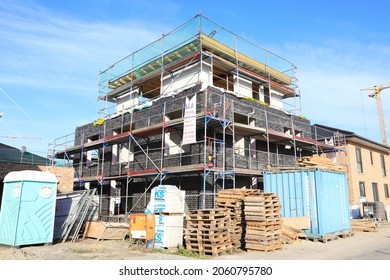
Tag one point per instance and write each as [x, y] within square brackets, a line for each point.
[376, 93]
[14, 137]
[22, 137]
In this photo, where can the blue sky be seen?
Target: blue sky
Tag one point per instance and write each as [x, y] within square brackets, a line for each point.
[52, 51]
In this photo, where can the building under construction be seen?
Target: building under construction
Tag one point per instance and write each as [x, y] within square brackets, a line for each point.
[201, 108]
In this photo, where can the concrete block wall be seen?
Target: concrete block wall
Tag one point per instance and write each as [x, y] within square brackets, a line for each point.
[219, 104]
[192, 184]
[277, 120]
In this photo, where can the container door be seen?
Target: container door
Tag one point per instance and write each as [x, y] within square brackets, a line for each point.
[333, 204]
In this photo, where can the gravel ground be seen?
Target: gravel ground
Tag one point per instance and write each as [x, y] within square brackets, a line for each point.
[361, 246]
[87, 249]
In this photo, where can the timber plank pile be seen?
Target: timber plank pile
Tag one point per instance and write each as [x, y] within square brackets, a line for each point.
[232, 200]
[290, 235]
[364, 225]
[208, 232]
[318, 162]
[263, 223]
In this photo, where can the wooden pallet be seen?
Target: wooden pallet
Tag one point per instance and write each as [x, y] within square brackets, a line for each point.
[263, 218]
[263, 230]
[264, 223]
[232, 201]
[206, 214]
[346, 234]
[208, 232]
[251, 247]
[209, 239]
[239, 193]
[364, 225]
[214, 250]
[323, 239]
[263, 240]
[228, 203]
[208, 224]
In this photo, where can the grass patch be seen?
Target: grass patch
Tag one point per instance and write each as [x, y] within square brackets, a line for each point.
[82, 251]
[185, 253]
[180, 251]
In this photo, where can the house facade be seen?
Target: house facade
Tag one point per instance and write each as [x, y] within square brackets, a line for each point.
[366, 162]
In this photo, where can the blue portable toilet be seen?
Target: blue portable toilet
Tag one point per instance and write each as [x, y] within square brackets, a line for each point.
[28, 208]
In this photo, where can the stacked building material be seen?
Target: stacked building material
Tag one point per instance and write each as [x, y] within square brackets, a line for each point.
[232, 200]
[364, 225]
[208, 232]
[319, 162]
[263, 223]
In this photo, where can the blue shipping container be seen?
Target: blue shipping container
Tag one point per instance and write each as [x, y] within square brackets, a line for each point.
[321, 195]
[28, 208]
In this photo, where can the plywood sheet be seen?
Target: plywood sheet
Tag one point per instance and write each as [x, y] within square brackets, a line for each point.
[106, 231]
[297, 222]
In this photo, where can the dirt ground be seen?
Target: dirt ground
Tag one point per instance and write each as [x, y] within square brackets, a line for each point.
[361, 246]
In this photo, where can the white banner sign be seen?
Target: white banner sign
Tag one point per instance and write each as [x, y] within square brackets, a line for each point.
[189, 131]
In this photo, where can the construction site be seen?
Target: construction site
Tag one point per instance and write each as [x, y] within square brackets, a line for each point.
[245, 118]
[200, 142]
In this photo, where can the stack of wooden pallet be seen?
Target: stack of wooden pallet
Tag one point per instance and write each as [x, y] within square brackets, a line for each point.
[364, 225]
[318, 162]
[263, 223]
[232, 200]
[208, 232]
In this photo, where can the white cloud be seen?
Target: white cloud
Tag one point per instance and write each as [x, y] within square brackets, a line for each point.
[50, 64]
[331, 75]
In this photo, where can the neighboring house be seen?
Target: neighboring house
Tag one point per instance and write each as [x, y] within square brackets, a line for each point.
[15, 159]
[9, 154]
[366, 162]
[201, 108]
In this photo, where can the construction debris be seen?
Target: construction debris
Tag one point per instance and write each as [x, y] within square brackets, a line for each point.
[318, 162]
[263, 223]
[290, 234]
[232, 200]
[364, 225]
[208, 232]
[292, 228]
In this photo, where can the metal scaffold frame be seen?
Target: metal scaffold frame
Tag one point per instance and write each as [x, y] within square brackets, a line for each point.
[171, 63]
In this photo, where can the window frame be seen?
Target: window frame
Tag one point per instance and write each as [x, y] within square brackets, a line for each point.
[383, 165]
[375, 192]
[362, 189]
[359, 159]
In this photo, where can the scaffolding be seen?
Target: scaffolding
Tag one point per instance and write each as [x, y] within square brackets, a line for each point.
[241, 130]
